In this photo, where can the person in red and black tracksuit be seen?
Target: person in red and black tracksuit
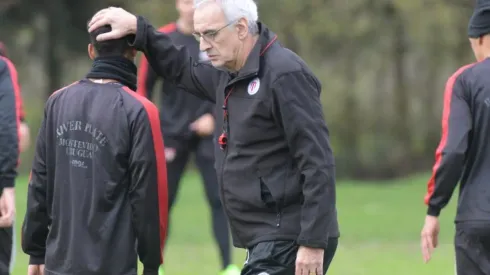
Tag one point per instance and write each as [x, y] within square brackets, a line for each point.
[24, 131]
[187, 123]
[463, 156]
[97, 196]
[10, 121]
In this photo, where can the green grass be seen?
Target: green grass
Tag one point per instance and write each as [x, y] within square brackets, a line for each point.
[380, 227]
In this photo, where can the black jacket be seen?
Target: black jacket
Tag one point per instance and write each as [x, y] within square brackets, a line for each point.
[276, 174]
[177, 110]
[464, 151]
[10, 112]
[97, 195]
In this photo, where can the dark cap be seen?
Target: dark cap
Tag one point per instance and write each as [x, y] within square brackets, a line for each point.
[479, 24]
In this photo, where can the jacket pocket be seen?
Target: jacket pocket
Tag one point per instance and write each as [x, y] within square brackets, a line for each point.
[273, 203]
[283, 183]
[272, 185]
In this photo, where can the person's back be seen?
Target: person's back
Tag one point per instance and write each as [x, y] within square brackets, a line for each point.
[474, 201]
[463, 155]
[99, 177]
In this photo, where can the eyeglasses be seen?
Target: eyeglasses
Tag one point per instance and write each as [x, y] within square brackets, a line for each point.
[210, 35]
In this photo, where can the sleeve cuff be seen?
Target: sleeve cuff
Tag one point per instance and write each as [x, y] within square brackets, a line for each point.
[36, 260]
[148, 271]
[140, 37]
[313, 243]
[433, 211]
[7, 183]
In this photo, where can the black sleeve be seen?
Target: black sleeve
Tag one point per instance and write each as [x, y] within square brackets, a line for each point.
[174, 64]
[36, 221]
[450, 154]
[206, 107]
[9, 142]
[148, 190]
[298, 110]
[147, 79]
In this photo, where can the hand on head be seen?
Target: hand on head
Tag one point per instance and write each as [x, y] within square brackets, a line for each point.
[122, 23]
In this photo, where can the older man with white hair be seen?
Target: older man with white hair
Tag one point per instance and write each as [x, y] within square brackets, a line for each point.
[273, 158]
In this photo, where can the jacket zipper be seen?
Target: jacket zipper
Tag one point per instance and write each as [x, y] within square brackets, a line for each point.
[223, 163]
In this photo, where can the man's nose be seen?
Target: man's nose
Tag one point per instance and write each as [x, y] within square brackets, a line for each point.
[204, 45]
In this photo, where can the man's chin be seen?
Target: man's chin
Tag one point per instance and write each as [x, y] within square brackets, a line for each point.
[217, 63]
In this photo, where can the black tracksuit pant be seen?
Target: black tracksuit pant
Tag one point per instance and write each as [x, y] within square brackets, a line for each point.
[6, 242]
[177, 154]
[472, 244]
[279, 258]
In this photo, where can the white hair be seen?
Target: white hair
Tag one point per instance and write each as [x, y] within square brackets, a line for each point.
[236, 9]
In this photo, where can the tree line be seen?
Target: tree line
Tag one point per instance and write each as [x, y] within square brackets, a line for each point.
[383, 65]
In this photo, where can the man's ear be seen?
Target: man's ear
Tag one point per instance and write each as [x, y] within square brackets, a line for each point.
[242, 28]
[91, 51]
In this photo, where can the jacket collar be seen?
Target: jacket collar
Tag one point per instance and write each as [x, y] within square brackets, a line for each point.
[265, 41]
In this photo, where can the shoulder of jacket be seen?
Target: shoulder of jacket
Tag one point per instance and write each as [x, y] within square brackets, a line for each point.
[136, 102]
[282, 61]
[58, 92]
[462, 70]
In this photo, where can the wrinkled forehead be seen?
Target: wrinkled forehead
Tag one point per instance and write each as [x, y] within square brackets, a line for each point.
[208, 16]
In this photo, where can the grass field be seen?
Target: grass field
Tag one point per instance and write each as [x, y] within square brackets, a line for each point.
[379, 223]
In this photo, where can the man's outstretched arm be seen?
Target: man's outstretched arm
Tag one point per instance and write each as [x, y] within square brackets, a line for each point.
[172, 63]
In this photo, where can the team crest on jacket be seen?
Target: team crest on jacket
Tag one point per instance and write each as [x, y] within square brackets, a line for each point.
[253, 86]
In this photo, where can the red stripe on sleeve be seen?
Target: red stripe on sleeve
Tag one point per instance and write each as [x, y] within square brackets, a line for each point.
[171, 27]
[161, 165]
[446, 112]
[142, 76]
[18, 98]
[144, 66]
[64, 88]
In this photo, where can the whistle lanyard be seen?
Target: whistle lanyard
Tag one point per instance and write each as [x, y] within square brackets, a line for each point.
[223, 138]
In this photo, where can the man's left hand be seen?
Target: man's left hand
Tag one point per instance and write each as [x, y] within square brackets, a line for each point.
[7, 207]
[309, 261]
[122, 23]
[204, 125]
[429, 236]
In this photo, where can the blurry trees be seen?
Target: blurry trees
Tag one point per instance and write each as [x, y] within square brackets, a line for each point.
[383, 64]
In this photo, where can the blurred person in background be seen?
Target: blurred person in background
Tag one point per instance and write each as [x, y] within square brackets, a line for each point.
[24, 131]
[275, 166]
[464, 155]
[97, 195]
[187, 124]
[13, 134]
